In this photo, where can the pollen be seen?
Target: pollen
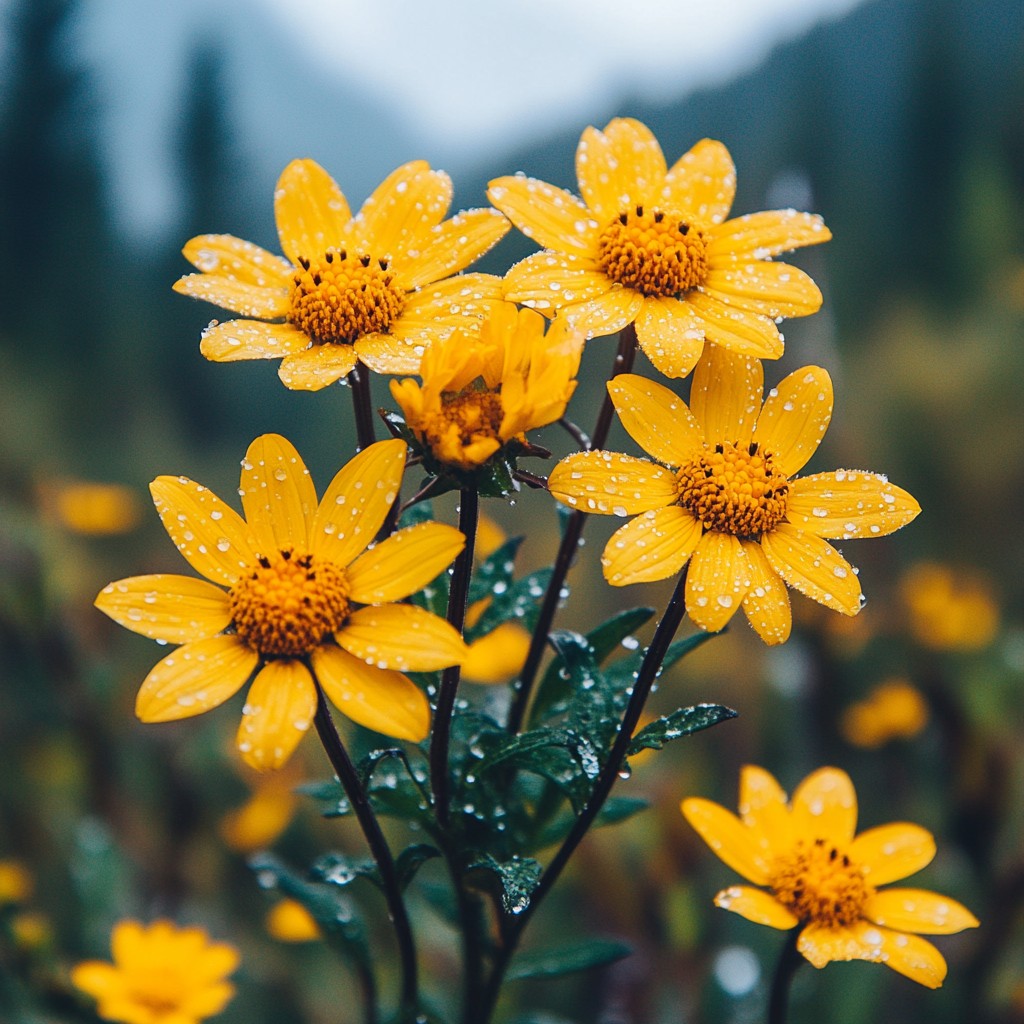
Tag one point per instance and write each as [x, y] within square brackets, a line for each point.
[819, 883]
[341, 297]
[287, 605]
[653, 252]
[734, 489]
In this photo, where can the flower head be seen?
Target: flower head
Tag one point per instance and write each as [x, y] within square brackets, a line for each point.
[161, 974]
[895, 709]
[651, 245]
[298, 590]
[724, 490]
[817, 875]
[949, 609]
[375, 287]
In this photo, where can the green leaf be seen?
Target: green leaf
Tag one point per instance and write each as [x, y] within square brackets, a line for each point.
[518, 877]
[680, 723]
[552, 963]
[411, 859]
[520, 603]
[340, 869]
[495, 571]
[619, 808]
[610, 634]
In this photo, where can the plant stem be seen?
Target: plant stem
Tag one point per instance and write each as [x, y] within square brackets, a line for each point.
[789, 960]
[362, 405]
[360, 801]
[567, 549]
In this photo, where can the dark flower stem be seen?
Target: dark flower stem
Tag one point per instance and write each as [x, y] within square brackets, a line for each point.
[359, 381]
[360, 801]
[567, 549]
[789, 960]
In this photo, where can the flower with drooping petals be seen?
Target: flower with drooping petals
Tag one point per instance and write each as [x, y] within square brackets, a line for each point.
[724, 490]
[650, 245]
[308, 594]
[376, 287]
[816, 874]
[161, 974]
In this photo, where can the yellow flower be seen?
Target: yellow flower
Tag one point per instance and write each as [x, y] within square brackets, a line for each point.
[262, 818]
[161, 974]
[479, 395]
[16, 884]
[308, 594]
[375, 287]
[93, 509]
[817, 875]
[894, 709]
[290, 921]
[725, 493]
[949, 610]
[651, 245]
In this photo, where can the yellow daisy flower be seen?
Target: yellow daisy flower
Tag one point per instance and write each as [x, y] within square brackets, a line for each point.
[723, 490]
[478, 396]
[376, 287]
[818, 875]
[894, 709]
[650, 245]
[161, 974]
[307, 594]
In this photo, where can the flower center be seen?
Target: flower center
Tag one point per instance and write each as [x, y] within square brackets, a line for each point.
[462, 431]
[338, 298]
[653, 252]
[819, 883]
[159, 990]
[285, 607]
[734, 490]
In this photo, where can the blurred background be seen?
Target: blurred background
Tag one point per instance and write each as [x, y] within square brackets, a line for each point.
[127, 128]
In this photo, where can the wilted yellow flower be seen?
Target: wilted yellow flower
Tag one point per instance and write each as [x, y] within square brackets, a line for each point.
[724, 490]
[893, 710]
[161, 974]
[816, 873]
[651, 245]
[304, 598]
[375, 287]
[94, 509]
[15, 882]
[949, 610]
[290, 921]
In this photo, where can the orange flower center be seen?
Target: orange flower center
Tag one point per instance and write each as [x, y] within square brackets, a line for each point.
[819, 883]
[338, 298]
[653, 252]
[284, 608]
[733, 489]
[465, 420]
[160, 990]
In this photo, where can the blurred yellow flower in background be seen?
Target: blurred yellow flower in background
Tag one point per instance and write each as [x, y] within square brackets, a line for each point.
[949, 609]
[93, 509]
[16, 884]
[262, 818]
[290, 921]
[893, 710]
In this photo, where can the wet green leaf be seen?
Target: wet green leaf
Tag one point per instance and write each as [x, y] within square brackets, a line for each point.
[552, 963]
[680, 723]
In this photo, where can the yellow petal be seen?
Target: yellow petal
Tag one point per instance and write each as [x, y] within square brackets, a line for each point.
[766, 604]
[725, 395]
[849, 503]
[652, 547]
[402, 637]
[633, 161]
[756, 905]
[891, 852]
[317, 367]
[656, 418]
[241, 261]
[278, 710]
[175, 609]
[551, 217]
[98, 979]
[795, 417]
[498, 656]
[250, 339]
[453, 246]
[390, 353]
[245, 299]
[746, 333]
[670, 335]
[702, 182]
[743, 849]
[211, 535]
[278, 496]
[812, 566]
[311, 211]
[604, 315]
[918, 910]
[914, 957]
[611, 484]
[357, 502]
[717, 581]
[759, 235]
[404, 563]
[763, 806]
[385, 701]
[195, 678]
[597, 173]
[547, 281]
[772, 289]
[208, 1001]
[824, 806]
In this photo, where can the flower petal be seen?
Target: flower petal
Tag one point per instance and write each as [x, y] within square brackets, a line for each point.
[498, 656]
[763, 806]
[382, 700]
[918, 910]
[552, 217]
[234, 340]
[849, 503]
[211, 535]
[891, 852]
[670, 335]
[633, 162]
[760, 235]
[311, 211]
[404, 563]
[656, 418]
[812, 566]
[824, 806]
[725, 395]
[317, 367]
[756, 905]
[175, 609]
[611, 484]
[238, 260]
[743, 849]
[391, 353]
[239, 297]
[454, 302]
[702, 182]
[795, 417]
[772, 289]
[547, 281]
[746, 333]
[278, 711]
[402, 637]
[717, 581]
[195, 678]
[652, 547]
[604, 315]
[766, 604]
[357, 502]
[453, 246]
[278, 496]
